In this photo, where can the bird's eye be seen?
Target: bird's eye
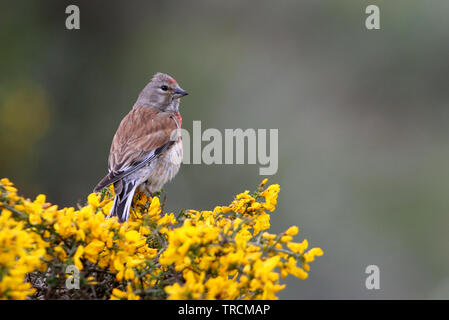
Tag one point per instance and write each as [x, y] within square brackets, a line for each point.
[164, 88]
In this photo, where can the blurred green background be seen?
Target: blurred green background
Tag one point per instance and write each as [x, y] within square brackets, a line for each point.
[362, 118]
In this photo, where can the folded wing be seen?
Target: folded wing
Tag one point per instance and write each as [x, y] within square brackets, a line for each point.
[142, 135]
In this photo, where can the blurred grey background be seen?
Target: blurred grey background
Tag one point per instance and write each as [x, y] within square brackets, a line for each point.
[362, 118]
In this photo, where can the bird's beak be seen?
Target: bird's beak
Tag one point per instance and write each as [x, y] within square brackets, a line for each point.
[180, 93]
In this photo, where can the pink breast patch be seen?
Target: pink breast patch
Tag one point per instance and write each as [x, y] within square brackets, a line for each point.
[178, 116]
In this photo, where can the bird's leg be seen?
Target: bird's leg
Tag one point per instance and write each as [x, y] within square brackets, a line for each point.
[146, 190]
[158, 193]
[148, 193]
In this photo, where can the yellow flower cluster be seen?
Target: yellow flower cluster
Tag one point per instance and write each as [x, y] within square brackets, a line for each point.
[221, 254]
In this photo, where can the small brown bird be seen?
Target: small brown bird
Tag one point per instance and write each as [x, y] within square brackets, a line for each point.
[146, 151]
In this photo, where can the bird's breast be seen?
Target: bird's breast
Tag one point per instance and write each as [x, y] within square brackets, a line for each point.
[174, 154]
[162, 169]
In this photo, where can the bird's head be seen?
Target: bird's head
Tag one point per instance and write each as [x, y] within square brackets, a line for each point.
[162, 92]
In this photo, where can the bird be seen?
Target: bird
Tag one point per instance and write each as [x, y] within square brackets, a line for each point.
[146, 151]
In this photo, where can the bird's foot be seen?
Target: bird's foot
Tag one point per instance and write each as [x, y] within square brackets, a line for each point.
[158, 193]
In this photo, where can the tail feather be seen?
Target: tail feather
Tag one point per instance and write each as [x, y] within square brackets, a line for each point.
[123, 201]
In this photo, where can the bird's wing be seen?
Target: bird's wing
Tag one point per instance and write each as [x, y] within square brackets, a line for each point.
[141, 136]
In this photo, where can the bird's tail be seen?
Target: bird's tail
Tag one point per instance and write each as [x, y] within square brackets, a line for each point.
[123, 200]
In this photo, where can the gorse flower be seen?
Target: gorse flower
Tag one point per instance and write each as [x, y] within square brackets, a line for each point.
[226, 253]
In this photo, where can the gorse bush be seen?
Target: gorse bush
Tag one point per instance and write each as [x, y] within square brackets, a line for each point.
[221, 254]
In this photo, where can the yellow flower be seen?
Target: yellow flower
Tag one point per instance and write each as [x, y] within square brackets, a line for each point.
[262, 222]
[5, 182]
[132, 236]
[35, 218]
[40, 199]
[298, 247]
[310, 255]
[92, 250]
[291, 267]
[10, 189]
[175, 292]
[267, 235]
[292, 231]
[93, 200]
[60, 253]
[155, 207]
[91, 280]
[270, 194]
[129, 274]
[286, 238]
[118, 294]
[76, 258]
